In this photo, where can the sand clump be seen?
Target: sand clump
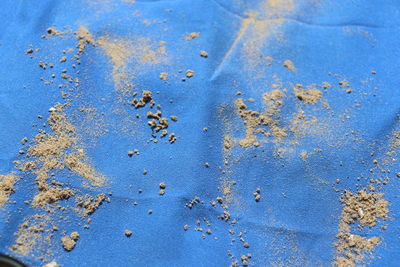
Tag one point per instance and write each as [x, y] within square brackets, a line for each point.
[156, 120]
[309, 95]
[6, 187]
[90, 204]
[362, 209]
[69, 242]
[51, 195]
[84, 38]
[189, 73]
[147, 97]
[289, 65]
[163, 76]
[191, 36]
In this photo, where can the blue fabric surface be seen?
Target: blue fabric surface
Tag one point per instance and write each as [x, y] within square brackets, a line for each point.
[296, 221]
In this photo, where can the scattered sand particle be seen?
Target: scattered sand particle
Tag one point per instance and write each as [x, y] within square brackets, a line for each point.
[53, 31]
[326, 85]
[193, 202]
[74, 236]
[172, 138]
[189, 73]
[227, 143]
[52, 264]
[128, 233]
[203, 53]
[344, 83]
[256, 195]
[24, 140]
[289, 65]
[192, 36]
[303, 155]
[163, 76]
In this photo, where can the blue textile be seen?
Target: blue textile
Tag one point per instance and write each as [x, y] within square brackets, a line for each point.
[296, 221]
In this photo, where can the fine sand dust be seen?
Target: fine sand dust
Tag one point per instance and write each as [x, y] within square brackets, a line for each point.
[51, 152]
[34, 236]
